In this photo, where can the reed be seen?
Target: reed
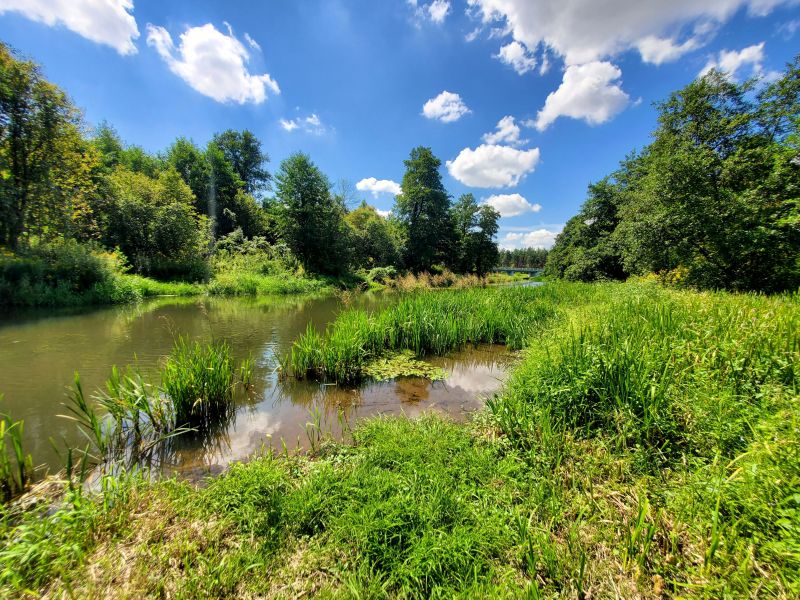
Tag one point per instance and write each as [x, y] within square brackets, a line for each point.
[199, 381]
[16, 466]
[423, 322]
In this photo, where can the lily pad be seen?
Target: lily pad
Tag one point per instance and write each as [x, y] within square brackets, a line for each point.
[402, 364]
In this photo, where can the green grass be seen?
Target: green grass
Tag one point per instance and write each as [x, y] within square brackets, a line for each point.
[199, 379]
[16, 466]
[647, 444]
[430, 322]
[254, 284]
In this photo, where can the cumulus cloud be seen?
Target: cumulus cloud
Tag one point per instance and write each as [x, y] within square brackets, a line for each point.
[491, 166]
[731, 61]
[379, 186]
[108, 22]
[590, 92]
[438, 9]
[538, 238]
[446, 107]
[506, 132]
[384, 213]
[518, 57]
[583, 31]
[511, 205]
[311, 124]
[212, 63]
[656, 50]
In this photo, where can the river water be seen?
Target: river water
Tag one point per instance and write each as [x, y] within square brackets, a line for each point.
[41, 351]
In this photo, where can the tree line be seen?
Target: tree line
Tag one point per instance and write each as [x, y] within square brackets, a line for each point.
[167, 212]
[712, 202]
[523, 258]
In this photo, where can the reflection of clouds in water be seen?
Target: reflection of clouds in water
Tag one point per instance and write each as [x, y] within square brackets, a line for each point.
[479, 379]
[284, 406]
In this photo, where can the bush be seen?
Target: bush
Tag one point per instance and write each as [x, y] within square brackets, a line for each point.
[61, 273]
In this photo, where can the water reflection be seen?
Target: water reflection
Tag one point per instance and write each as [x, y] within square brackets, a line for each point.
[39, 355]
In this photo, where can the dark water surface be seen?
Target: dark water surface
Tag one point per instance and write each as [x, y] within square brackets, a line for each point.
[39, 352]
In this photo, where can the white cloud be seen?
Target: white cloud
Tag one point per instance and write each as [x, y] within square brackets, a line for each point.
[384, 213]
[517, 56]
[656, 50]
[251, 42]
[212, 63]
[446, 107]
[438, 9]
[511, 205]
[730, 61]
[311, 124]
[379, 186]
[491, 166]
[538, 238]
[506, 132]
[583, 31]
[590, 92]
[108, 22]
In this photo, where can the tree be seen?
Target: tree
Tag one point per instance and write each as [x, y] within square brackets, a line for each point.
[486, 253]
[464, 218]
[586, 249]
[373, 240]
[311, 220]
[243, 151]
[38, 125]
[154, 223]
[423, 211]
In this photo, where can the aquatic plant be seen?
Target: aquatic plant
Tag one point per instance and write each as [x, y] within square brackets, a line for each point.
[16, 466]
[433, 322]
[402, 364]
[199, 380]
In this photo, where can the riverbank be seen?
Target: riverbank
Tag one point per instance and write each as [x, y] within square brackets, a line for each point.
[646, 445]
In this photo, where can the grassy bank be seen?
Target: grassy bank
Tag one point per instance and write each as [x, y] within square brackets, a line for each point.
[646, 445]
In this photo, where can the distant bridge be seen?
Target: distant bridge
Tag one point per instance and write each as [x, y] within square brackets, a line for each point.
[512, 270]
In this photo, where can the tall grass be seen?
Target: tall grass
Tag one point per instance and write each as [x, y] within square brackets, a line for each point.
[424, 322]
[16, 466]
[199, 379]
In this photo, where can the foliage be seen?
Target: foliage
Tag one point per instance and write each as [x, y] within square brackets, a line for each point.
[422, 211]
[375, 240]
[591, 474]
[425, 323]
[46, 171]
[199, 380]
[474, 229]
[712, 202]
[16, 467]
[523, 258]
[310, 218]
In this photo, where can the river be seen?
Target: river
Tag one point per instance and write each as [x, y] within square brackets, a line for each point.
[41, 350]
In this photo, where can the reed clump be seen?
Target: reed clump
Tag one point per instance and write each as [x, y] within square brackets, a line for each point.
[423, 322]
[199, 380]
[16, 466]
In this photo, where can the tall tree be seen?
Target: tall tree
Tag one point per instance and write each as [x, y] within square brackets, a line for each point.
[243, 151]
[38, 125]
[373, 240]
[486, 252]
[311, 219]
[423, 211]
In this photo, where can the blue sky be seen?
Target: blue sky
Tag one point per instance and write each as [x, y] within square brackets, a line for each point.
[525, 101]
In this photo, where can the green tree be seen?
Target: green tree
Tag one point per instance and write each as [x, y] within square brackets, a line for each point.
[374, 242]
[243, 151]
[464, 218]
[486, 252]
[586, 250]
[311, 219]
[423, 211]
[41, 151]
